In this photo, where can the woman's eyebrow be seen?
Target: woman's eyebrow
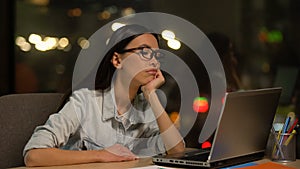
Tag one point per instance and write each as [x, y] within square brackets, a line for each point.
[144, 45]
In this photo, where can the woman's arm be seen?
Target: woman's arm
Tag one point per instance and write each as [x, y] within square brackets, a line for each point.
[42, 148]
[55, 156]
[171, 137]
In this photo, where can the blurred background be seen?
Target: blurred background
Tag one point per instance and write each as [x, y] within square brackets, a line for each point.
[41, 39]
[265, 34]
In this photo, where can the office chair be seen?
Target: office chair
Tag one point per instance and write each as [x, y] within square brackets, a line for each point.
[19, 115]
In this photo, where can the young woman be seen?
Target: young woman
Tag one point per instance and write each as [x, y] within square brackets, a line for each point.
[120, 119]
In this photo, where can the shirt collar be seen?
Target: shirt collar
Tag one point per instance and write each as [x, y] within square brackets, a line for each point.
[140, 113]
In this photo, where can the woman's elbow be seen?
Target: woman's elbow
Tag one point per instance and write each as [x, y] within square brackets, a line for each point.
[180, 147]
[31, 158]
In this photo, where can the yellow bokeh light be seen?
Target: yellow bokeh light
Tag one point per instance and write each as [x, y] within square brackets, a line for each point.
[34, 38]
[84, 44]
[41, 46]
[76, 12]
[63, 42]
[174, 44]
[48, 43]
[20, 40]
[40, 2]
[80, 39]
[128, 11]
[167, 34]
[105, 15]
[25, 47]
[51, 42]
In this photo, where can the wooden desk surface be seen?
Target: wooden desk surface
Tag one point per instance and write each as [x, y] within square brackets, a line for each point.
[131, 164]
[112, 165]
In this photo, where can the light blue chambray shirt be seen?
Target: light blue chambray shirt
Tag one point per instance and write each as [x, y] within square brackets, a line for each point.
[89, 121]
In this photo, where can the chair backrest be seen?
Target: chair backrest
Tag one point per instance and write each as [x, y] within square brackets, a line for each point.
[19, 115]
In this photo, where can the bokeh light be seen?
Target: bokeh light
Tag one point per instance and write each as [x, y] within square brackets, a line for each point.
[83, 43]
[104, 15]
[26, 47]
[34, 38]
[167, 34]
[23, 44]
[174, 44]
[200, 105]
[171, 41]
[175, 118]
[206, 144]
[40, 2]
[270, 36]
[63, 42]
[128, 11]
[76, 12]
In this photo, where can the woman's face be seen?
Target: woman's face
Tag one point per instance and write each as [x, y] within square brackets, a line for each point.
[135, 63]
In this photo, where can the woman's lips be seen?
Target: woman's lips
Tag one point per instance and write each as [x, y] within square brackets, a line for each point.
[152, 71]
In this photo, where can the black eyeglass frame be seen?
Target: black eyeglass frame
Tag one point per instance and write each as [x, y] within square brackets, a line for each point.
[154, 53]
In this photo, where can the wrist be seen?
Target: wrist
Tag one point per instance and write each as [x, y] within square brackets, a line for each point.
[155, 104]
[147, 92]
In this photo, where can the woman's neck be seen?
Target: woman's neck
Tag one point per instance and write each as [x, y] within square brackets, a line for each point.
[124, 95]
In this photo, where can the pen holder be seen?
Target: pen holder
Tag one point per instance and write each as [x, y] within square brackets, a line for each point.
[284, 147]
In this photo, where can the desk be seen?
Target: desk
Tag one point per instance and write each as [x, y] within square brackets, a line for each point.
[112, 165]
[130, 164]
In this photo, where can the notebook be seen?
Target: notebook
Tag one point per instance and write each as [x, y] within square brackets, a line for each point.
[242, 133]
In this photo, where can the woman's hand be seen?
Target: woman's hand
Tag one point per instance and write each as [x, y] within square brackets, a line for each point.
[117, 152]
[158, 81]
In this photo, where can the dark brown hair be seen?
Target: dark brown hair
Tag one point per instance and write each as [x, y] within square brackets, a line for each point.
[105, 71]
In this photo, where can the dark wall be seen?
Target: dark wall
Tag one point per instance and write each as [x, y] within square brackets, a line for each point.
[6, 47]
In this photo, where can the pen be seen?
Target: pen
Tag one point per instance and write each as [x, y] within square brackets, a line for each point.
[286, 124]
[289, 138]
[276, 143]
[276, 139]
[284, 130]
[293, 126]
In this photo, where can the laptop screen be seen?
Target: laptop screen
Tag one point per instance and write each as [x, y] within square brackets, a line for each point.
[245, 123]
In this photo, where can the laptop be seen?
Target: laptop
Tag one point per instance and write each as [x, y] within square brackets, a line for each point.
[241, 136]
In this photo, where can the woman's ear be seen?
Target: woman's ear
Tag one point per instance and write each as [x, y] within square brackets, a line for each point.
[116, 60]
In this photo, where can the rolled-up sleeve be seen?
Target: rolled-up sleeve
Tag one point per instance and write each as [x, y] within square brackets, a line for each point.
[155, 141]
[58, 128]
[150, 143]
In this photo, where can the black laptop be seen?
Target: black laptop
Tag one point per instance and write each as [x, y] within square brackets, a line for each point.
[242, 133]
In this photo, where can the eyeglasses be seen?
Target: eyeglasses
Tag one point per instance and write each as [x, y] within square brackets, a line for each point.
[146, 53]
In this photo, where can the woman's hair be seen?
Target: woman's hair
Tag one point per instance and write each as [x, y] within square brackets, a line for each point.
[105, 71]
[118, 41]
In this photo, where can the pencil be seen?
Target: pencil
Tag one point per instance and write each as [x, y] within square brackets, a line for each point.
[289, 138]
